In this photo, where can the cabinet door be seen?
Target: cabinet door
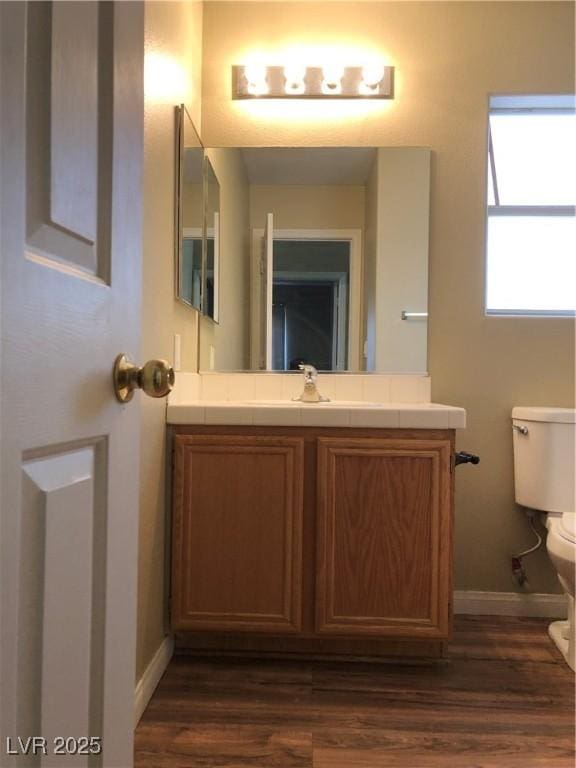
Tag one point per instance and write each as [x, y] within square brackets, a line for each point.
[384, 537]
[237, 533]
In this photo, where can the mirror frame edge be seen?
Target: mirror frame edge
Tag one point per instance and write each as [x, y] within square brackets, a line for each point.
[215, 318]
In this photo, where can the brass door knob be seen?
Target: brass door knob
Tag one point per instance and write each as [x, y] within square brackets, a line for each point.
[155, 378]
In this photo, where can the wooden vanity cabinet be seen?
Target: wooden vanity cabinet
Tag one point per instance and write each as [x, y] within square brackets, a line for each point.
[383, 537]
[237, 533]
[312, 540]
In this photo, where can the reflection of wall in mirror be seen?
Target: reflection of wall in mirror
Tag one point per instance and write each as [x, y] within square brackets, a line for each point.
[212, 201]
[192, 205]
[396, 260]
[307, 207]
[229, 338]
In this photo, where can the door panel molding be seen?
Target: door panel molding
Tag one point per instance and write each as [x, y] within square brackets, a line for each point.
[63, 544]
[69, 134]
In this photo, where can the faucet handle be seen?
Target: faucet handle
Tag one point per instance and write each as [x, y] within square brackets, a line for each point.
[310, 373]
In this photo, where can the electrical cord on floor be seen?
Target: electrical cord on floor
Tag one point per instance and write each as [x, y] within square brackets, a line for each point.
[518, 570]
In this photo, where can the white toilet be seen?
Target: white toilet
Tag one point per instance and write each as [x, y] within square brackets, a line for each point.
[544, 479]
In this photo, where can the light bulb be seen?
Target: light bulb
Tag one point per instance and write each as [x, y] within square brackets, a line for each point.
[372, 75]
[332, 78]
[255, 75]
[294, 75]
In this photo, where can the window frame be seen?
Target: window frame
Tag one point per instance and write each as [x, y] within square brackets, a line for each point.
[539, 104]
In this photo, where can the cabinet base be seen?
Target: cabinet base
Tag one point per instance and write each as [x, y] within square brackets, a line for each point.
[318, 648]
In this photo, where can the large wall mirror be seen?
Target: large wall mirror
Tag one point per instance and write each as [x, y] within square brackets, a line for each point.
[189, 211]
[323, 259]
[197, 221]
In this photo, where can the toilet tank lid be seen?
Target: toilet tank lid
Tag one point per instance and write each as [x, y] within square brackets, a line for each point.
[568, 526]
[542, 413]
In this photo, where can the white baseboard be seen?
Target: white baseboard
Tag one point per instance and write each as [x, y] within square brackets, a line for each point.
[510, 604]
[151, 677]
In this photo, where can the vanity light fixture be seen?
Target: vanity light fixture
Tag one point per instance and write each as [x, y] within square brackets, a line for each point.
[296, 81]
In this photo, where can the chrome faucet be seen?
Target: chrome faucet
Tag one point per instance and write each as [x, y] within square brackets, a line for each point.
[310, 392]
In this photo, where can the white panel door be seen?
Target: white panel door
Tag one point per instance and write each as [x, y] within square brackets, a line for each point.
[71, 155]
[261, 289]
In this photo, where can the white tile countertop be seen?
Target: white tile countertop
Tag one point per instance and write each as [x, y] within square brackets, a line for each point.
[331, 414]
[371, 400]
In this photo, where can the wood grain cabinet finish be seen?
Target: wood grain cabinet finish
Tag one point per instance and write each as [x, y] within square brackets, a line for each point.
[237, 533]
[319, 541]
[384, 537]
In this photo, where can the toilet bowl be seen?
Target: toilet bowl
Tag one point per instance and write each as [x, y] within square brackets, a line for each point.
[561, 546]
[544, 480]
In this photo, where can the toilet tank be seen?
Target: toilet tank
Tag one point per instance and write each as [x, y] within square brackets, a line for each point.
[545, 458]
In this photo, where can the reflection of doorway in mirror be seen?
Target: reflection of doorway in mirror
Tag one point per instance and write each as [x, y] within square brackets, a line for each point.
[306, 296]
[310, 296]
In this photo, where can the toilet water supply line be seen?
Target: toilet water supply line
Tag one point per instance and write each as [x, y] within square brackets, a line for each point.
[518, 572]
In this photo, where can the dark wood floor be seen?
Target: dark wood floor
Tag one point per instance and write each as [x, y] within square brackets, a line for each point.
[504, 699]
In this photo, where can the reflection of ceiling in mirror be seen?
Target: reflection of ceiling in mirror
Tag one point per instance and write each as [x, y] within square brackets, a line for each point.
[309, 165]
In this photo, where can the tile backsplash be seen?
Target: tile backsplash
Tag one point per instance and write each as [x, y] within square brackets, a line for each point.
[235, 387]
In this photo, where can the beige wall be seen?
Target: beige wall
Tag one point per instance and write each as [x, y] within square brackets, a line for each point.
[449, 57]
[173, 58]
[229, 337]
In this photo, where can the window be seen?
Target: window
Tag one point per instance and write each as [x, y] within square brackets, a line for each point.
[531, 227]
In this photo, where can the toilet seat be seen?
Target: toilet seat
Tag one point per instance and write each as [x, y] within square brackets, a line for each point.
[567, 527]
